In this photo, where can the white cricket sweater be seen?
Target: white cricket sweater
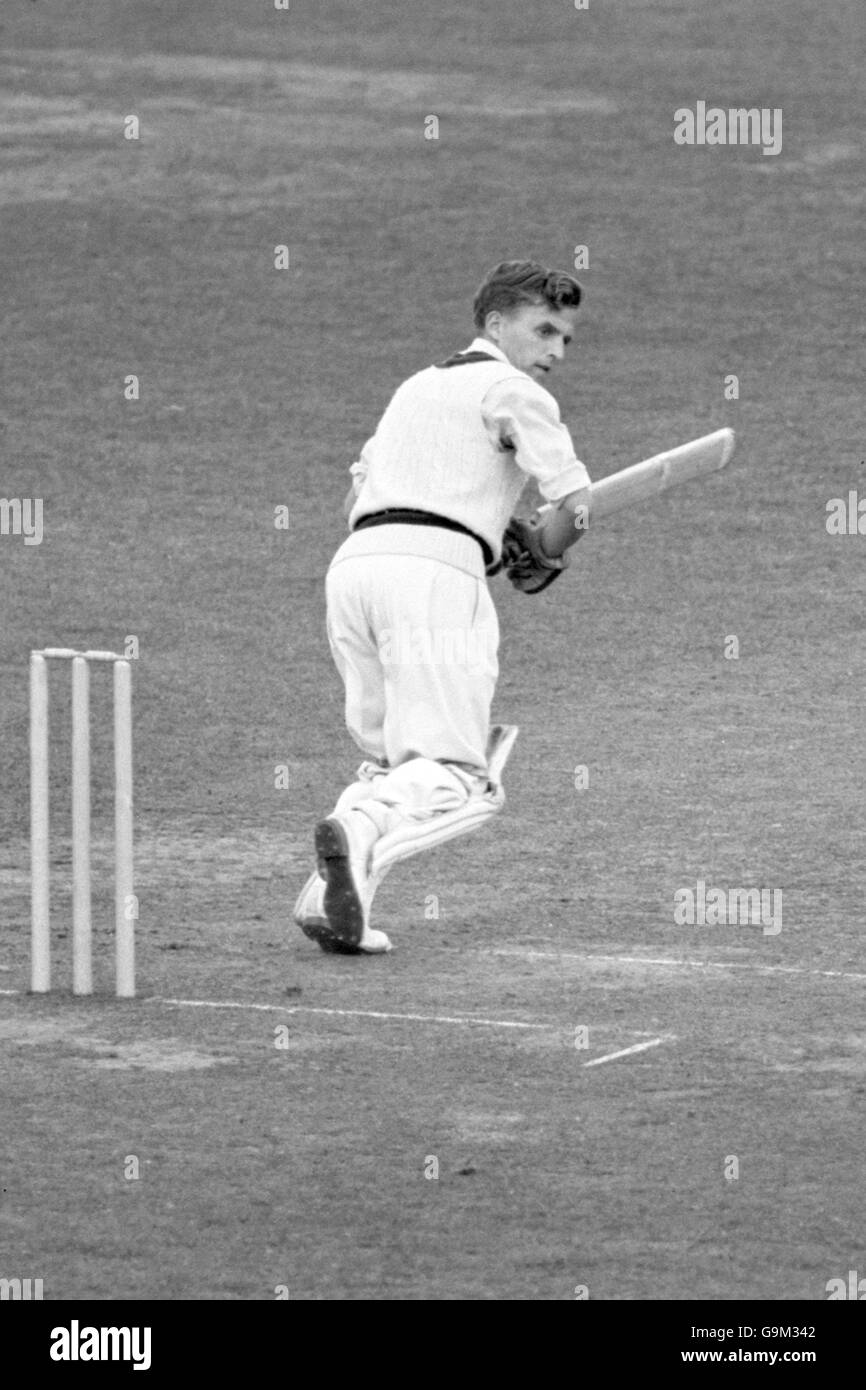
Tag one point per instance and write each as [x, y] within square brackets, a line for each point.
[462, 441]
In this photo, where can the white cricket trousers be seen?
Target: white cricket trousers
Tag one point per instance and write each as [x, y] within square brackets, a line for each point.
[415, 641]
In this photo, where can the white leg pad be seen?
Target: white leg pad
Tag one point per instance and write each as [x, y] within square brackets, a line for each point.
[415, 836]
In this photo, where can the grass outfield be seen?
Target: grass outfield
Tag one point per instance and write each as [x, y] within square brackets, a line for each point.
[298, 1159]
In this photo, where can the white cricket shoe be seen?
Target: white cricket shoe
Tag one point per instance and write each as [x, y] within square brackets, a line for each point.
[309, 910]
[341, 927]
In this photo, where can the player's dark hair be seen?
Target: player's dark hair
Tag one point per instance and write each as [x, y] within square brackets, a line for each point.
[512, 283]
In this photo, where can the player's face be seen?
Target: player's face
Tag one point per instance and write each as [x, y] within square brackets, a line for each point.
[533, 336]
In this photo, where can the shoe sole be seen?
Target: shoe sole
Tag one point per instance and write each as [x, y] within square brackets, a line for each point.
[315, 926]
[342, 902]
[321, 933]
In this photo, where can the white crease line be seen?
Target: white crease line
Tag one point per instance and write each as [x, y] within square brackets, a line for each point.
[627, 1051]
[373, 1013]
[334, 1013]
[345, 1013]
[686, 964]
[368, 1013]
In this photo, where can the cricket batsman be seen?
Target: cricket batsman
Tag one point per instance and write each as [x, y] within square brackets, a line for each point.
[411, 624]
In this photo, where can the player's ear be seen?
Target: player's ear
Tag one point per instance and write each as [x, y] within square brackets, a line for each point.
[493, 324]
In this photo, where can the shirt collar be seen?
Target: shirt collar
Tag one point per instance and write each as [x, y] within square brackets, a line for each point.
[485, 345]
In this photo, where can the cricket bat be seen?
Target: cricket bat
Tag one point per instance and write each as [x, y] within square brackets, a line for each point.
[644, 480]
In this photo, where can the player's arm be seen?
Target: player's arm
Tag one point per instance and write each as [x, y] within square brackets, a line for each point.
[560, 524]
[524, 417]
[359, 473]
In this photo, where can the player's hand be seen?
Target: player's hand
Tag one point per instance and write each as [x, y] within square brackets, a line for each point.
[525, 563]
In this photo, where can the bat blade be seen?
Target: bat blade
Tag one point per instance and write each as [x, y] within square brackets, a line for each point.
[643, 480]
